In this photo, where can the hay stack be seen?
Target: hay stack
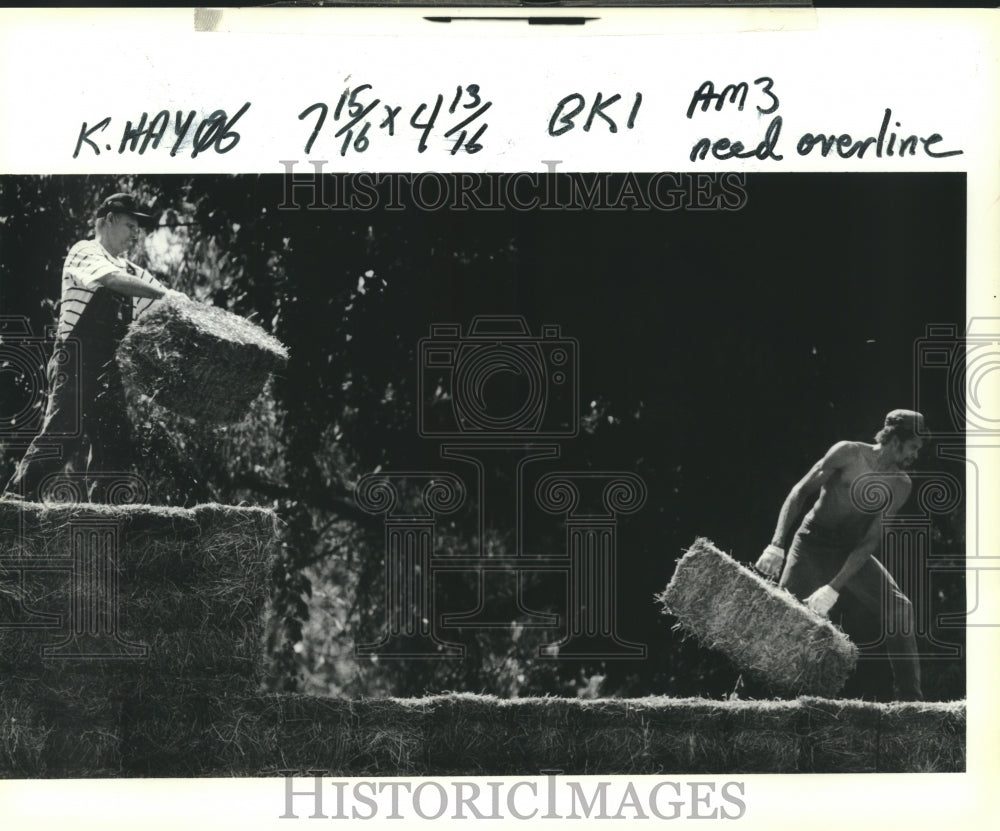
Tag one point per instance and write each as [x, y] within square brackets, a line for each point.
[189, 589]
[270, 734]
[469, 735]
[44, 735]
[843, 736]
[199, 361]
[190, 586]
[762, 629]
[922, 737]
[475, 735]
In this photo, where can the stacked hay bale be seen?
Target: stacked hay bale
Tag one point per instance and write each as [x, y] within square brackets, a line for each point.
[762, 629]
[121, 618]
[476, 735]
[180, 697]
[480, 735]
[899, 737]
[841, 736]
[199, 361]
[281, 733]
[922, 737]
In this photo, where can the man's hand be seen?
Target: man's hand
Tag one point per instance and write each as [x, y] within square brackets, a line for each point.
[174, 296]
[770, 562]
[822, 600]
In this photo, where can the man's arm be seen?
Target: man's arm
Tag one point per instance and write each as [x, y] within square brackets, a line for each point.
[132, 286]
[802, 492]
[823, 598]
[859, 556]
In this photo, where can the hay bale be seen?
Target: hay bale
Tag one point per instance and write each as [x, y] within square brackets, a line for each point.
[189, 587]
[211, 546]
[840, 736]
[45, 734]
[762, 629]
[199, 361]
[287, 732]
[265, 735]
[691, 735]
[896, 737]
[481, 734]
[763, 737]
[281, 732]
[232, 659]
[187, 732]
[682, 735]
[922, 737]
[176, 735]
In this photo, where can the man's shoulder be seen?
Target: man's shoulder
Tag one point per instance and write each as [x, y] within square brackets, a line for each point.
[848, 450]
[86, 248]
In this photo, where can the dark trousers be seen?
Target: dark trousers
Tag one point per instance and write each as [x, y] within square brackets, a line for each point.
[815, 557]
[85, 428]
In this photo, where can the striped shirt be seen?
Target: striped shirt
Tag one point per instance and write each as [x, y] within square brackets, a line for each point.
[87, 262]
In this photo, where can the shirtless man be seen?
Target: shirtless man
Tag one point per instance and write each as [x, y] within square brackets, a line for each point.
[834, 548]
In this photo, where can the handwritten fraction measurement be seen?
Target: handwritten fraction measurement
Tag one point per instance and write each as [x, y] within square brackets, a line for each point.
[358, 114]
[213, 132]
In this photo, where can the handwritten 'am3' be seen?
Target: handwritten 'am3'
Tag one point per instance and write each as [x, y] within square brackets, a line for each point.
[843, 145]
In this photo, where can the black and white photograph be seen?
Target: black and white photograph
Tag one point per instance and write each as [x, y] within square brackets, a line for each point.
[429, 471]
[491, 494]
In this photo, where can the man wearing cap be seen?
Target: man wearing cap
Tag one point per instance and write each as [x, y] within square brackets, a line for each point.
[85, 419]
[834, 548]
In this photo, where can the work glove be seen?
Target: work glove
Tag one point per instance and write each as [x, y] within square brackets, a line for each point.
[770, 562]
[822, 600]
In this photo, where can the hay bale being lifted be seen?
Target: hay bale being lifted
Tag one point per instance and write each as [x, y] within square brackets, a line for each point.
[199, 361]
[762, 629]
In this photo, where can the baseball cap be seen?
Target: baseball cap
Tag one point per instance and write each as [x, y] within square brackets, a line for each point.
[122, 203]
[909, 421]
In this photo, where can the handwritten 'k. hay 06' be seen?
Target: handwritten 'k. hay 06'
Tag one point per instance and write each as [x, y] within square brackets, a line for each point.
[764, 630]
[199, 361]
